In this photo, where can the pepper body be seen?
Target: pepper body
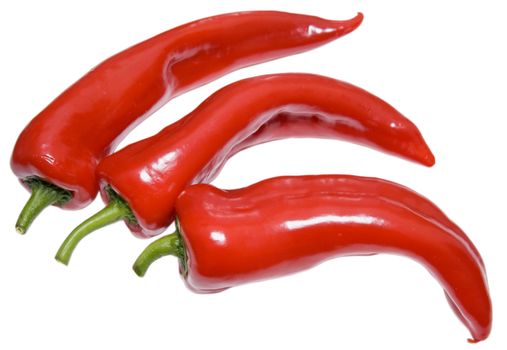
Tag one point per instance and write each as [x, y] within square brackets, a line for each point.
[64, 143]
[150, 174]
[288, 224]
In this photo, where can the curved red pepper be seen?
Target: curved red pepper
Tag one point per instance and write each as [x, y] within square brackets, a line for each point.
[287, 224]
[61, 146]
[150, 174]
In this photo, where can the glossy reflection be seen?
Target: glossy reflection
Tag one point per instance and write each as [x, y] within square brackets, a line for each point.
[284, 225]
[64, 143]
[151, 173]
[331, 219]
[154, 172]
[218, 237]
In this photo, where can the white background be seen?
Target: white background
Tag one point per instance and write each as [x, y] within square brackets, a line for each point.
[441, 63]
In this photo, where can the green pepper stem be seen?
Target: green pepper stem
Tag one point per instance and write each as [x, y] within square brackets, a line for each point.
[167, 245]
[43, 195]
[116, 210]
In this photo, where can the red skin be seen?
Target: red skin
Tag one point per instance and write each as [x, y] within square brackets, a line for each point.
[151, 173]
[288, 224]
[66, 141]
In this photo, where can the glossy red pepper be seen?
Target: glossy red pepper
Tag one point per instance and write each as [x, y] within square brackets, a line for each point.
[150, 174]
[57, 153]
[283, 225]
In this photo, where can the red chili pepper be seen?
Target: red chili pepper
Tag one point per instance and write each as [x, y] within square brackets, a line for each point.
[288, 224]
[150, 174]
[57, 153]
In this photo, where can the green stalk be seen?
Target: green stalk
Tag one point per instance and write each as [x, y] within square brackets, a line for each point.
[116, 210]
[43, 195]
[168, 245]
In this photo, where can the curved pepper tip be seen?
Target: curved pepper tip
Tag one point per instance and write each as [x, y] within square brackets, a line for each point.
[477, 340]
[480, 334]
[359, 17]
[420, 152]
[429, 159]
[355, 21]
[342, 27]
